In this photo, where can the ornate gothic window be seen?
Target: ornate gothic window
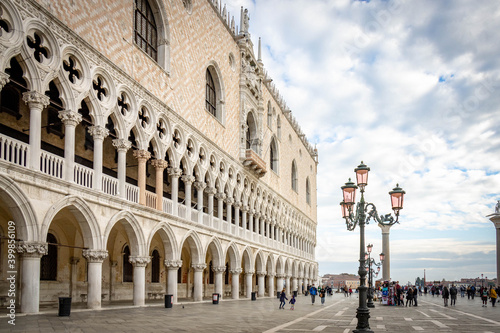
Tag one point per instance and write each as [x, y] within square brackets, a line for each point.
[308, 191]
[294, 176]
[155, 266]
[146, 36]
[273, 155]
[278, 125]
[48, 263]
[269, 115]
[211, 98]
[128, 269]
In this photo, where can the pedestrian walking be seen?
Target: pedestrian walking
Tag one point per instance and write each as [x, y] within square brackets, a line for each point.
[346, 292]
[493, 296]
[484, 296]
[313, 291]
[409, 296]
[282, 299]
[322, 295]
[453, 295]
[292, 302]
[415, 294]
[350, 291]
[446, 295]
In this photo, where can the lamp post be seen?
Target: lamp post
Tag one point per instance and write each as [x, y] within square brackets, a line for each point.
[371, 262]
[361, 217]
[482, 281]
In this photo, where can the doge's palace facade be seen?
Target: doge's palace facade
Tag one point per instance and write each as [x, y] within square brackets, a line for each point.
[145, 151]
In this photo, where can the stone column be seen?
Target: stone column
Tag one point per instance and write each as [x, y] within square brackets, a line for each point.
[4, 79]
[36, 102]
[98, 133]
[72, 283]
[262, 230]
[287, 277]
[386, 265]
[270, 283]
[122, 146]
[220, 201]
[262, 284]
[175, 173]
[211, 191]
[31, 253]
[235, 282]
[188, 181]
[272, 231]
[495, 218]
[251, 214]
[200, 186]
[294, 284]
[113, 264]
[172, 269]
[244, 210]
[237, 206]
[142, 157]
[279, 282]
[159, 166]
[94, 284]
[70, 119]
[229, 205]
[248, 283]
[219, 273]
[139, 264]
[198, 281]
[256, 218]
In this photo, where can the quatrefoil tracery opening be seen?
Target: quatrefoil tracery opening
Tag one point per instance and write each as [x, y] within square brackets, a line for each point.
[144, 117]
[122, 104]
[70, 66]
[162, 129]
[100, 89]
[35, 42]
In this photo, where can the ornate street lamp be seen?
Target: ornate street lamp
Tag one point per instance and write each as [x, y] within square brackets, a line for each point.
[361, 217]
[371, 262]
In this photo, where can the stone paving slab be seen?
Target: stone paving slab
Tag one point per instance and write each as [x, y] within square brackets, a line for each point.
[337, 315]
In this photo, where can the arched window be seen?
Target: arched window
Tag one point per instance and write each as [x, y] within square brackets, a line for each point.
[273, 155]
[226, 274]
[48, 263]
[146, 35]
[211, 97]
[308, 191]
[269, 115]
[251, 135]
[278, 126]
[155, 266]
[294, 176]
[210, 273]
[128, 269]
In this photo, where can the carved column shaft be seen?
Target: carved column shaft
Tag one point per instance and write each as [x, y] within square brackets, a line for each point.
[142, 157]
[98, 133]
[122, 146]
[159, 166]
[36, 102]
[94, 285]
[30, 278]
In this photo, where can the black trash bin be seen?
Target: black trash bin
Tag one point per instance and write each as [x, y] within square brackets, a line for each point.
[169, 300]
[64, 306]
[215, 298]
[278, 294]
[295, 293]
[254, 296]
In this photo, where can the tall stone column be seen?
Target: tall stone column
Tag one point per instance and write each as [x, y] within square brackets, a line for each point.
[200, 186]
[237, 206]
[220, 201]
[211, 191]
[188, 181]
[294, 284]
[287, 277]
[251, 214]
[98, 134]
[139, 264]
[219, 272]
[248, 283]
[198, 281]
[142, 157]
[244, 211]
[94, 284]
[172, 269]
[272, 231]
[72, 283]
[386, 265]
[70, 119]
[175, 173]
[159, 166]
[262, 223]
[270, 284]
[31, 253]
[229, 205]
[36, 102]
[122, 146]
[495, 218]
[279, 282]
[235, 282]
[256, 223]
[262, 284]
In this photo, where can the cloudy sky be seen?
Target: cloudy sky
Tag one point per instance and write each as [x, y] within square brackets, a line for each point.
[412, 88]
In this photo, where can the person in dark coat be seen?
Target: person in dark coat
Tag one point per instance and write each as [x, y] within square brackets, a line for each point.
[282, 299]
[409, 296]
[453, 295]
[446, 295]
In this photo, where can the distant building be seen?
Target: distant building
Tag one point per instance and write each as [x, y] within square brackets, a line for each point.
[337, 281]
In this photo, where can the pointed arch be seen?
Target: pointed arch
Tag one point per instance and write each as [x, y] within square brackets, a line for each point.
[249, 260]
[133, 230]
[168, 238]
[234, 256]
[217, 253]
[193, 241]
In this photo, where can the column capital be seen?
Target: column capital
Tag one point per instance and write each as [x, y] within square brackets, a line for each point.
[271, 275]
[251, 212]
[36, 98]
[32, 249]
[250, 273]
[95, 255]
[188, 179]
[235, 271]
[200, 186]
[257, 214]
[174, 172]
[142, 155]
[173, 264]
[385, 227]
[220, 196]
[74, 260]
[159, 164]
[211, 190]
[69, 117]
[122, 144]
[198, 267]
[237, 204]
[495, 218]
[280, 276]
[138, 261]
[244, 208]
[229, 200]
[98, 132]
[220, 269]
[4, 79]
[261, 273]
